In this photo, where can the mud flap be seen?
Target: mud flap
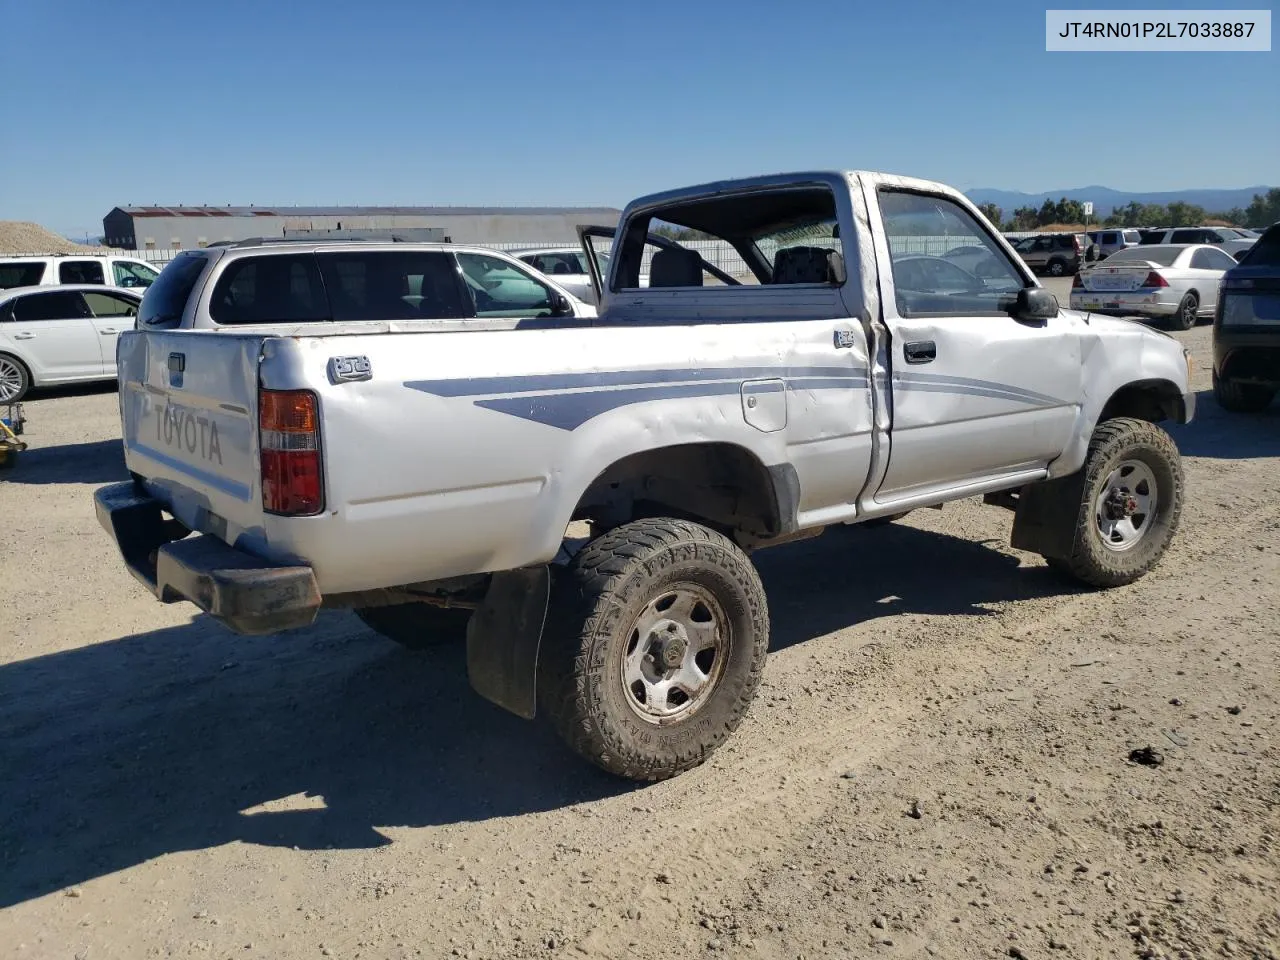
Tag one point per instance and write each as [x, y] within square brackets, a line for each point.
[1045, 521]
[503, 637]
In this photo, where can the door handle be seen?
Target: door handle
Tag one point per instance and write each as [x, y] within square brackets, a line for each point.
[921, 351]
[108, 333]
[24, 336]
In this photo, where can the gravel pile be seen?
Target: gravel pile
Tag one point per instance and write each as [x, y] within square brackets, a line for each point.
[22, 236]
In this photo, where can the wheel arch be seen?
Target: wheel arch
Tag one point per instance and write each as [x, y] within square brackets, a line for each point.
[718, 483]
[1154, 400]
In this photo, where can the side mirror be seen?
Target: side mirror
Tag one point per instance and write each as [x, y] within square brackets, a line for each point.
[835, 263]
[560, 306]
[1034, 303]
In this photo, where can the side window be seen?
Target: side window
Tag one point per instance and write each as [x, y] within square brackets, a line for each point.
[927, 285]
[382, 285]
[1211, 260]
[21, 273]
[270, 289]
[132, 275]
[108, 305]
[1187, 236]
[498, 289]
[81, 271]
[166, 299]
[50, 306]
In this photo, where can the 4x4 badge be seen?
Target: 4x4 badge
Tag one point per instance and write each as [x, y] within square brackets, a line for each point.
[350, 369]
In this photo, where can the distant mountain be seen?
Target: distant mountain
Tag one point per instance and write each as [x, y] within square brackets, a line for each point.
[1105, 199]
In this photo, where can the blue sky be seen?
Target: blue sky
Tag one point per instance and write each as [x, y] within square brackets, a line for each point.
[591, 103]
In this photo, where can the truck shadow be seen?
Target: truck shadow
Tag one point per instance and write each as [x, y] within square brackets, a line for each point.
[101, 461]
[122, 751]
[1218, 434]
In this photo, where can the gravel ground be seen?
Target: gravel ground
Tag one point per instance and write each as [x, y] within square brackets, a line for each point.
[937, 763]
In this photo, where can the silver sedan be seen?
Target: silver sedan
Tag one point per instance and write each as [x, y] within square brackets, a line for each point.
[1174, 283]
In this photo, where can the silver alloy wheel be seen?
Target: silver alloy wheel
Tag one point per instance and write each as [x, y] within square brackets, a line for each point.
[675, 654]
[1189, 309]
[1125, 509]
[10, 379]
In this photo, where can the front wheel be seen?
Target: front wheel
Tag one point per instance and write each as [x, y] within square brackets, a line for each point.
[14, 379]
[1241, 397]
[1130, 501]
[418, 626]
[654, 647]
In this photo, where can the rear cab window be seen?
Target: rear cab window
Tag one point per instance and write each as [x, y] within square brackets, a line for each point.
[166, 299]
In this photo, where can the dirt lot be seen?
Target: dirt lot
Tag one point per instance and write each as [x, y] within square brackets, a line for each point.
[937, 763]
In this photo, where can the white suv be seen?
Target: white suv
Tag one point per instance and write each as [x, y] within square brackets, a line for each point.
[129, 273]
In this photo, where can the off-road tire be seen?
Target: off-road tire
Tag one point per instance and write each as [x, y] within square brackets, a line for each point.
[418, 626]
[1187, 315]
[1241, 397]
[1114, 441]
[24, 377]
[595, 602]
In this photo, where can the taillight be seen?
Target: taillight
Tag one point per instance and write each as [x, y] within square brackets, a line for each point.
[1155, 280]
[1076, 282]
[289, 435]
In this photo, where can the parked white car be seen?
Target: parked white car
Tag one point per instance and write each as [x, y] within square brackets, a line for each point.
[128, 273]
[1176, 283]
[567, 266]
[63, 335]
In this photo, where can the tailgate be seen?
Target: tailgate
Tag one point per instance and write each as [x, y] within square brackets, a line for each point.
[188, 408]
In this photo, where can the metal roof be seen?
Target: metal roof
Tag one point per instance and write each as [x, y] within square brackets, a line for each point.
[360, 211]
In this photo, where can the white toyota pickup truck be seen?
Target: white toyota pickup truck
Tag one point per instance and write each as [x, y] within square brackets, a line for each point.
[427, 472]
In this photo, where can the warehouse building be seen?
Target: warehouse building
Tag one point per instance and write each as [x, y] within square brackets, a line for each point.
[183, 228]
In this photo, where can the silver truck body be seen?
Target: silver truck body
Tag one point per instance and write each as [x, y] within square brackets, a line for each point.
[470, 446]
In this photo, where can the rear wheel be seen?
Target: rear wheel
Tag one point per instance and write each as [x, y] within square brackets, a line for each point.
[654, 647]
[417, 626]
[1241, 397]
[1188, 309]
[1129, 501]
[1057, 268]
[15, 381]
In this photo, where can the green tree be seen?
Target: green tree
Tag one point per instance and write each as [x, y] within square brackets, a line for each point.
[1264, 210]
[1069, 211]
[992, 213]
[1025, 218]
[1185, 214]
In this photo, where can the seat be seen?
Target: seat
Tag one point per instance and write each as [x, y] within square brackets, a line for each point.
[805, 265]
[675, 268]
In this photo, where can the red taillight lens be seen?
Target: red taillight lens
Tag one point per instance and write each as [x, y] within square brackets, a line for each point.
[1076, 282]
[289, 435]
[1155, 280]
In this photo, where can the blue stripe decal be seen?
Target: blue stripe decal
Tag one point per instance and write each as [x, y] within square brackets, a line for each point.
[238, 490]
[567, 401]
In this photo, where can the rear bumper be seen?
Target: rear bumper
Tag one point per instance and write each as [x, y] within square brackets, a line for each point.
[245, 593]
[1144, 302]
[1247, 356]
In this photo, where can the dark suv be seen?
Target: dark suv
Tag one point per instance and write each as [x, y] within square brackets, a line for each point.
[1246, 328]
[1056, 254]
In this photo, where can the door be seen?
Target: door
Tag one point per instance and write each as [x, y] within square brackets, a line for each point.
[975, 394]
[1208, 264]
[112, 313]
[57, 336]
[133, 275]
